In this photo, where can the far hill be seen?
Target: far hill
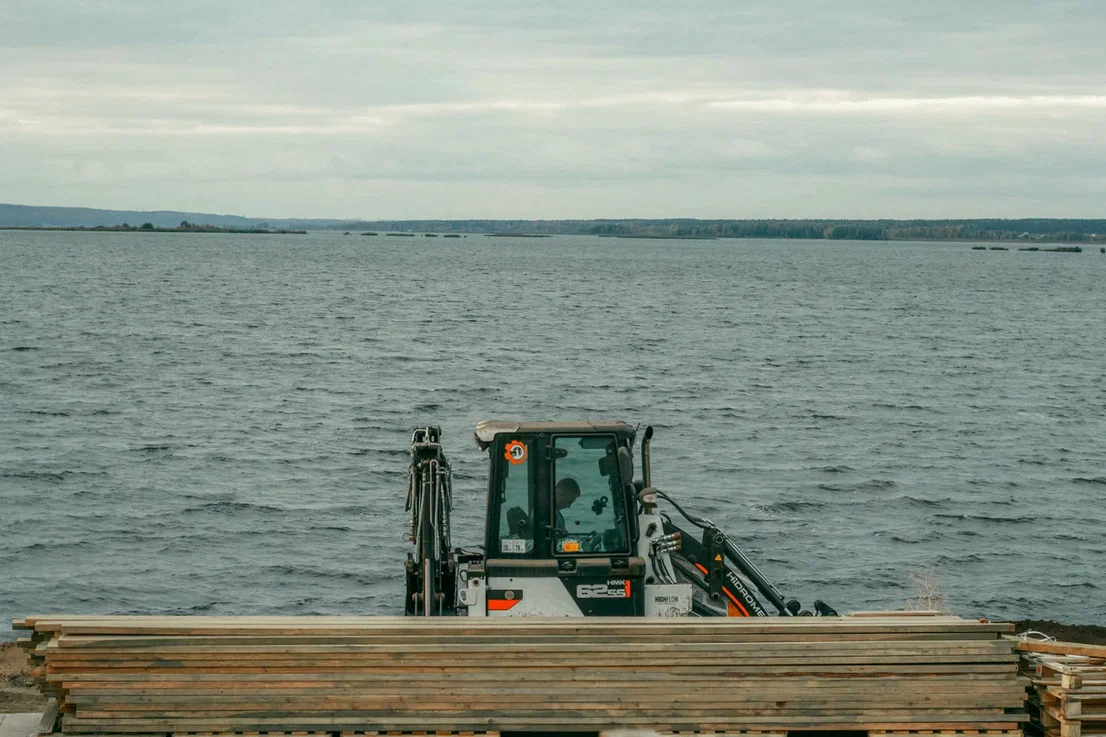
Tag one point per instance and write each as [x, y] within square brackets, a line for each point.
[85, 217]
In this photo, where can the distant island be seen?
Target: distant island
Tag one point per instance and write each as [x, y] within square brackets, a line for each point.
[184, 227]
[1019, 231]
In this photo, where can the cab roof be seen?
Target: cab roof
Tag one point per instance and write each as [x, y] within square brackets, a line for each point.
[488, 429]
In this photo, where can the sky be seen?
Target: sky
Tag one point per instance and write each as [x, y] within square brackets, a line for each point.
[557, 108]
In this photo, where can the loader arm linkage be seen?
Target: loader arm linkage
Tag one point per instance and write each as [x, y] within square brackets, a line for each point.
[706, 563]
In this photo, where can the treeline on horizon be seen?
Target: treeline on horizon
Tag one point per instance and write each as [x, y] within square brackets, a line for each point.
[972, 229]
[1076, 231]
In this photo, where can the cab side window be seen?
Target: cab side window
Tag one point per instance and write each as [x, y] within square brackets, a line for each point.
[589, 516]
[515, 500]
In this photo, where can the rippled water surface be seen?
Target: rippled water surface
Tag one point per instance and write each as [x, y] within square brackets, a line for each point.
[219, 423]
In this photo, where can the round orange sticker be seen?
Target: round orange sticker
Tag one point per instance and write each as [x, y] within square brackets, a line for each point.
[516, 452]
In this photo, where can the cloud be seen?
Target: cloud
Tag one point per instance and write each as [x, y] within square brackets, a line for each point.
[556, 109]
[893, 105]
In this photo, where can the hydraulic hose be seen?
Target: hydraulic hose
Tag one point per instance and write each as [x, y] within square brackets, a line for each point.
[737, 557]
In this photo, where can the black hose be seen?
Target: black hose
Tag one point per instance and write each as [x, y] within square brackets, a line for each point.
[698, 522]
[738, 558]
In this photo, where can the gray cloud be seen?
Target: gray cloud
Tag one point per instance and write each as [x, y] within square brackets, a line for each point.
[556, 109]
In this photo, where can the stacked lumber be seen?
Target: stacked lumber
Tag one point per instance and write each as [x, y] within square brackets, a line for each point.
[355, 675]
[1068, 695]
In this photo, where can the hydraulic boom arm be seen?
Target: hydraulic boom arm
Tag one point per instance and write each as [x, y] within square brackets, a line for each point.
[430, 568]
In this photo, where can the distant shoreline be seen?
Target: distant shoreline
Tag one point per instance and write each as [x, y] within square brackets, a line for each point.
[1036, 241]
[133, 229]
[1073, 231]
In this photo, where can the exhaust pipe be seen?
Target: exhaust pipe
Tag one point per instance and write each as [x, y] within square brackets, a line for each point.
[646, 470]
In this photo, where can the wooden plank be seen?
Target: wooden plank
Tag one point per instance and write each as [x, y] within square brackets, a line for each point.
[558, 726]
[905, 613]
[1060, 648]
[1003, 677]
[353, 625]
[262, 638]
[49, 718]
[580, 701]
[737, 694]
[334, 723]
[523, 662]
[70, 646]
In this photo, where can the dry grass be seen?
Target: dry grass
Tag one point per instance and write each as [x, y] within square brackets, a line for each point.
[927, 593]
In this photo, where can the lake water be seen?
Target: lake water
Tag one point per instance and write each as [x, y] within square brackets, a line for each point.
[219, 423]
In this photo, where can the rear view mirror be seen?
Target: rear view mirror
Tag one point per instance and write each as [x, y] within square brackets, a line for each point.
[625, 465]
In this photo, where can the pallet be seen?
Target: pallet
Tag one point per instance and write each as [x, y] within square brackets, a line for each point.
[1068, 696]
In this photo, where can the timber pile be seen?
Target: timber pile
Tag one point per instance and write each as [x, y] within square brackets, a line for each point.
[352, 675]
[1068, 696]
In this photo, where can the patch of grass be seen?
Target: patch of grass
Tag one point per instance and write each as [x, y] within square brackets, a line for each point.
[927, 593]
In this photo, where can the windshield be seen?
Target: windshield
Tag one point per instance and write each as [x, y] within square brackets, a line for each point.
[588, 510]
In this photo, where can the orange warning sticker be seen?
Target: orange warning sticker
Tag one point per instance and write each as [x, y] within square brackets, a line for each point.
[516, 452]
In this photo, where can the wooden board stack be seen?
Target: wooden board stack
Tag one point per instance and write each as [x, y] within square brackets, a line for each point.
[1068, 696]
[335, 675]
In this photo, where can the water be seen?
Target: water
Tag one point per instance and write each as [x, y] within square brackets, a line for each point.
[219, 423]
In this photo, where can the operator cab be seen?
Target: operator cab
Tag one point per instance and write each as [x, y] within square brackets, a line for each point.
[561, 519]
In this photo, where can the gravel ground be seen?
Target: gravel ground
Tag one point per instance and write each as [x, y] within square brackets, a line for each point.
[17, 690]
[1090, 634]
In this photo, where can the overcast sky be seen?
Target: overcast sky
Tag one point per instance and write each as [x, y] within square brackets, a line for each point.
[550, 108]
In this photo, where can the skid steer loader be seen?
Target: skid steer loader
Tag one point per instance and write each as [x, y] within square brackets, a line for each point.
[569, 532]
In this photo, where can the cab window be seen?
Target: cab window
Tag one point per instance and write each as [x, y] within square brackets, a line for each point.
[588, 510]
[515, 501]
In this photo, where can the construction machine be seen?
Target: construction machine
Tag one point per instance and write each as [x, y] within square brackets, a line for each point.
[570, 532]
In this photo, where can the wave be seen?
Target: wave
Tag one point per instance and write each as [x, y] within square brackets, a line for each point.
[869, 485]
[391, 452]
[911, 541]
[207, 606]
[922, 502]
[319, 573]
[55, 478]
[1024, 520]
[797, 506]
[233, 508]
